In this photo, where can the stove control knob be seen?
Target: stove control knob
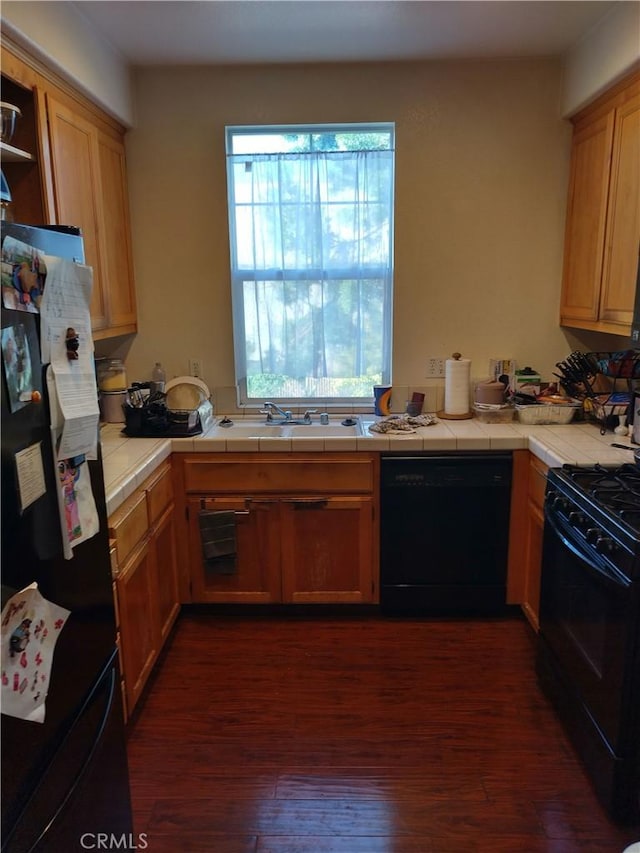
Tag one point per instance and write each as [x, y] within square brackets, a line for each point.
[604, 544]
[593, 534]
[560, 503]
[577, 518]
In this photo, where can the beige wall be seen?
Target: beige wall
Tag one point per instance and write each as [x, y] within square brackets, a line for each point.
[59, 34]
[481, 178]
[604, 55]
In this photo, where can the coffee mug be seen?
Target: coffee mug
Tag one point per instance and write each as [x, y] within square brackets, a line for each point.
[382, 399]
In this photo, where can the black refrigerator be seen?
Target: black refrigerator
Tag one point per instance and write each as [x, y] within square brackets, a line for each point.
[64, 780]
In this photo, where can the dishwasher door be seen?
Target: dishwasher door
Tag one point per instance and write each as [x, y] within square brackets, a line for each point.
[444, 533]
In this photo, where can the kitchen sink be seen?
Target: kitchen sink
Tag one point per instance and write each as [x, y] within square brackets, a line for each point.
[260, 429]
[334, 429]
[255, 429]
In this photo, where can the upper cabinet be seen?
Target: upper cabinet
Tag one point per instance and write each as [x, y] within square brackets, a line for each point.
[602, 235]
[74, 174]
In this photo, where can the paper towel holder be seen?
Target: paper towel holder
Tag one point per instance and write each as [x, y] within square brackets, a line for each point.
[449, 417]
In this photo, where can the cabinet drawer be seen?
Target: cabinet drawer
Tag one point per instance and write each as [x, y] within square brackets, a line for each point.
[128, 525]
[159, 493]
[537, 481]
[280, 473]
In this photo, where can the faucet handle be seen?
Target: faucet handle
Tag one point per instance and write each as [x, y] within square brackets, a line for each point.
[267, 412]
[307, 415]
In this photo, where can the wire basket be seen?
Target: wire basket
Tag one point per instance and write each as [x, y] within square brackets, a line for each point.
[622, 372]
[624, 364]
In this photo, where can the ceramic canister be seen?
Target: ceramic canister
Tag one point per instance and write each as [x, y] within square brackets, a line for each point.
[111, 403]
[489, 392]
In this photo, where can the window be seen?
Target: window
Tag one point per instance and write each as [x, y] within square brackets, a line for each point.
[311, 235]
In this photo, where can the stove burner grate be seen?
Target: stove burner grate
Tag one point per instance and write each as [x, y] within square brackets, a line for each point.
[599, 480]
[615, 490]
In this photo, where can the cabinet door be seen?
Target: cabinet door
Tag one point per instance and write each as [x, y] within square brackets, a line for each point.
[623, 220]
[138, 620]
[166, 580]
[75, 165]
[253, 577]
[586, 221]
[115, 235]
[90, 191]
[327, 549]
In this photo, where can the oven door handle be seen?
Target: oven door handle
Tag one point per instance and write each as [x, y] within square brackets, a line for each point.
[592, 559]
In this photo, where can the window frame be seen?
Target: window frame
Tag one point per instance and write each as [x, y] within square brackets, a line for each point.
[238, 276]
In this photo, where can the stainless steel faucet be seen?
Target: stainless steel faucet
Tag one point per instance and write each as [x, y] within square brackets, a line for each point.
[269, 408]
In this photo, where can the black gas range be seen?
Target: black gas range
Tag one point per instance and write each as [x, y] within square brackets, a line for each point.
[588, 657]
[602, 504]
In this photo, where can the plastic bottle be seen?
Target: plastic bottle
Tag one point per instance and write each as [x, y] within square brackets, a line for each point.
[158, 378]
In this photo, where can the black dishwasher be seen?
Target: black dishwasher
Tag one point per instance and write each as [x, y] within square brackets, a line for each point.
[444, 533]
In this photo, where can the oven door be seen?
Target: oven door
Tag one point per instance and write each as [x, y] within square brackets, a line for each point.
[587, 619]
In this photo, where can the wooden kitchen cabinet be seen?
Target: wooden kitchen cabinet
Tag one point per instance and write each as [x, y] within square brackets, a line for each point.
[327, 549]
[147, 603]
[525, 533]
[138, 624]
[75, 175]
[602, 231]
[256, 575]
[304, 525]
[22, 159]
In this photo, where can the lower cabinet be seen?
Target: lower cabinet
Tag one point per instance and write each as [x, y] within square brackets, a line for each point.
[139, 635]
[311, 541]
[252, 574]
[146, 588]
[327, 549]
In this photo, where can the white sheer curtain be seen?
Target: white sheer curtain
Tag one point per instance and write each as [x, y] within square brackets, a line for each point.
[311, 253]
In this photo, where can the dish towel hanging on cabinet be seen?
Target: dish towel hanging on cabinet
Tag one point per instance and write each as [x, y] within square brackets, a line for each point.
[218, 537]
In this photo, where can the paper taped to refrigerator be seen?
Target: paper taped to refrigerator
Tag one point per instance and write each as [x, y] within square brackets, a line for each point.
[30, 473]
[76, 504]
[31, 626]
[67, 344]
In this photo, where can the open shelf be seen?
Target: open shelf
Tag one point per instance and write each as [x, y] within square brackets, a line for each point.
[10, 154]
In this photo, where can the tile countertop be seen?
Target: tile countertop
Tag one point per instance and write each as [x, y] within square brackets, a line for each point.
[127, 462]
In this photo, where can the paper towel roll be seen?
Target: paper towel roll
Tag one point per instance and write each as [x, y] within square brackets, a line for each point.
[456, 386]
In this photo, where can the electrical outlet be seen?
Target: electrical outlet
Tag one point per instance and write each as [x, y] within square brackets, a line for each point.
[435, 368]
[195, 367]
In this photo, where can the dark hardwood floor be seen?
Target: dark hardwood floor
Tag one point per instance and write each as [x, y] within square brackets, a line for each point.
[356, 735]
